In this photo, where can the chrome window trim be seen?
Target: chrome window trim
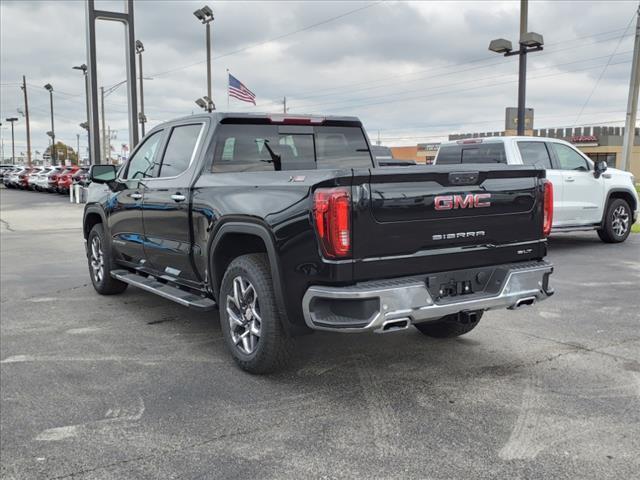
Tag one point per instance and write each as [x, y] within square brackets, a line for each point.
[196, 148]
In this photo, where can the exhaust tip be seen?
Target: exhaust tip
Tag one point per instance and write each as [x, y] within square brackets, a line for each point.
[525, 302]
[394, 325]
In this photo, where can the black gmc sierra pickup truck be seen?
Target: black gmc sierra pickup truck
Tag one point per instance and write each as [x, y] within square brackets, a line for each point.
[289, 225]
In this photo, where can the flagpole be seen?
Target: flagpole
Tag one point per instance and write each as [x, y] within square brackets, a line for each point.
[227, 89]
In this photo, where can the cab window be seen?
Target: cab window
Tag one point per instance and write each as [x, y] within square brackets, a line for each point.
[568, 158]
[142, 163]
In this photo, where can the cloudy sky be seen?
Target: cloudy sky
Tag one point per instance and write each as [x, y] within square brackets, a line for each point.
[412, 71]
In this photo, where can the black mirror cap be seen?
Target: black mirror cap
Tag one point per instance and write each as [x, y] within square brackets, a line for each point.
[102, 173]
[600, 167]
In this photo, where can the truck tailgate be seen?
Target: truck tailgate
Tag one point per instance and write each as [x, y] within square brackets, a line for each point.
[425, 219]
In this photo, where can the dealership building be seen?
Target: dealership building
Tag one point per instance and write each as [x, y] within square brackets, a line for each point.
[598, 142]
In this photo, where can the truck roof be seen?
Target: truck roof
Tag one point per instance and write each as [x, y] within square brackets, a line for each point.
[502, 139]
[274, 117]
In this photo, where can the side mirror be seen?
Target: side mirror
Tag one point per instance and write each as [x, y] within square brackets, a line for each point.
[103, 173]
[599, 168]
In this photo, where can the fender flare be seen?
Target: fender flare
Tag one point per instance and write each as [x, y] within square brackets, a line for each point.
[89, 209]
[606, 203]
[258, 230]
[94, 209]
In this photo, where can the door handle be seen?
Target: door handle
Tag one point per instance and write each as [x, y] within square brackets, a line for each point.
[569, 179]
[136, 196]
[178, 197]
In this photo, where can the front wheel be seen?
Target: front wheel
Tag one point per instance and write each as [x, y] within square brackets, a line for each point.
[100, 264]
[250, 318]
[450, 326]
[617, 222]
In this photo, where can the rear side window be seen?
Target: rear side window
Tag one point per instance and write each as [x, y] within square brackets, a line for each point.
[179, 151]
[472, 153]
[340, 147]
[250, 148]
[534, 153]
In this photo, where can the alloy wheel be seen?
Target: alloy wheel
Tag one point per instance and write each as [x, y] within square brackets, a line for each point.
[243, 310]
[97, 259]
[620, 221]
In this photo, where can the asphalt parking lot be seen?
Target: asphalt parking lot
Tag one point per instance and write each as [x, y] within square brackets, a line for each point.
[134, 386]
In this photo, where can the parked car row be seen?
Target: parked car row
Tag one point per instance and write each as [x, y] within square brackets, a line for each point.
[48, 178]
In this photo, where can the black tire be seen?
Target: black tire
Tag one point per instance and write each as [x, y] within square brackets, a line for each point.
[449, 326]
[104, 283]
[617, 222]
[271, 350]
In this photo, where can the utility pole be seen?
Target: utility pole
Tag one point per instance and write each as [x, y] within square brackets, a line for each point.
[78, 149]
[284, 105]
[522, 67]
[104, 128]
[12, 120]
[109, 144]
[632, 103]
[26, 116]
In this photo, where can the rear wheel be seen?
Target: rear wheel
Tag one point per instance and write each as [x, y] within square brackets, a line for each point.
[100, 264]
[617, 222]
[450, 326]
[249, 316]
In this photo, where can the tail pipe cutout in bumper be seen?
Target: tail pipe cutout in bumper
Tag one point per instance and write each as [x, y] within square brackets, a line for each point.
[394, 304]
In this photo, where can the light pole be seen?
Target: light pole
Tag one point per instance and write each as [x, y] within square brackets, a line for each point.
[83, 69]
[54, 156]
[205, 15]
[529, 42]
[141, 116]
[12, 120]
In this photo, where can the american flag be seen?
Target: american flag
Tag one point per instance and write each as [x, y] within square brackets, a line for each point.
[239, 91]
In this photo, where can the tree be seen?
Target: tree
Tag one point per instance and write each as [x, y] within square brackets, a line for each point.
[64, 153]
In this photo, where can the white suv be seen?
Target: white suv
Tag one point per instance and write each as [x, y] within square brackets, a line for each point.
[586, 195]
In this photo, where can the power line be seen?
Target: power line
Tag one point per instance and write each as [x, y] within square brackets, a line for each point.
[273, 39]
[341, 88]
[605, 67]
[364, 105]
[473, 80]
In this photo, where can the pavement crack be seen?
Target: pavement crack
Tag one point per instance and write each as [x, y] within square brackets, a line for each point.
[164, 452]
[577, 348]
[7, 225]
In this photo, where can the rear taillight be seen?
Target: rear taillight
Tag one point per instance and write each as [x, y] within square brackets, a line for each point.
[548, 208]
[332, 216]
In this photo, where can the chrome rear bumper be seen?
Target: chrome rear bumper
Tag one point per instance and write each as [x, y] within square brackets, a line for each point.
[377, 305]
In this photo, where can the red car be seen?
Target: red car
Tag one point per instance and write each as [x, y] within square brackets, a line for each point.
[23, 178]
[65, 179]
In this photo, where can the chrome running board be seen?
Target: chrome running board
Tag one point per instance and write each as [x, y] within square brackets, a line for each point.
[150, 284]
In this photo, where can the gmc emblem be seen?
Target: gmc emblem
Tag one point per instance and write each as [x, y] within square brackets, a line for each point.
[448, 202]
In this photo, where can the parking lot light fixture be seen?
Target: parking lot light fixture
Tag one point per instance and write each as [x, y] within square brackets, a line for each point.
[141, 116]
[83, 69]
[49, 88]
[205, 15]
[201, 103]
[529, 42]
